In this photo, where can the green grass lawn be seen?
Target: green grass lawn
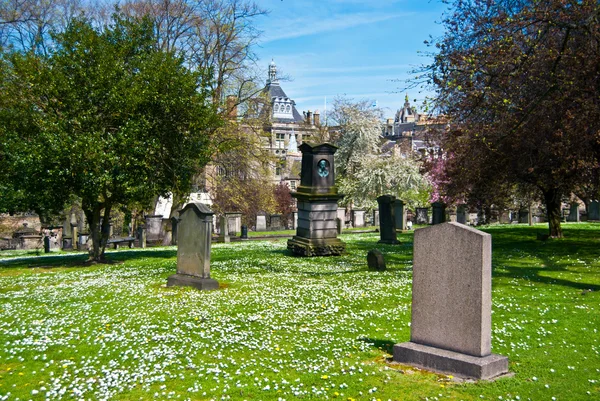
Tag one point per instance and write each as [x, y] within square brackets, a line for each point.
[283, 327]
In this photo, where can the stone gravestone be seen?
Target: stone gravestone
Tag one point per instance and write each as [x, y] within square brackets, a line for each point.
[387, 219]
[438, 215]
[341, 214]
[523, 216]
[193, 248]
[261, 223]
[422, 215]
[224, 229]
[451, 324]
[234, 221]
[153, 228]
[358, 218]
[317, 197]
[244, 234]
[174, 223]
[594, 210]
[375, 217]
[461, 214]
[400, 214]
[294, 220]
[375, 260]
[574, 212]
[275, 222]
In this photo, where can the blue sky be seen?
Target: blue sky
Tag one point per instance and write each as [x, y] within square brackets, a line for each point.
[347, 47]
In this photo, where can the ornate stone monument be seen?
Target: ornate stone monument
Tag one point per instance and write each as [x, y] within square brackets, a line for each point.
[451, 323]
[317, 197]
[194, 233]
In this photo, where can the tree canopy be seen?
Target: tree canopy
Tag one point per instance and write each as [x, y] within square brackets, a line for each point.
[106, 117]
[520, 82]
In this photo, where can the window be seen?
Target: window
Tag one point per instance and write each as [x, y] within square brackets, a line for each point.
[276, 108]
[278, 171]
[288, 109]
[293, 184]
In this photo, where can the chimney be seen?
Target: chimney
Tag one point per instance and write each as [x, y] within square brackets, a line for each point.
[317, 118]
[231, 105]
[308, 117]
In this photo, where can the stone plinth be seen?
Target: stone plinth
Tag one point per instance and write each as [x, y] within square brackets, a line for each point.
[387, 219]
[193, 248]
[30, 242]
[316, 234]
[451, 303]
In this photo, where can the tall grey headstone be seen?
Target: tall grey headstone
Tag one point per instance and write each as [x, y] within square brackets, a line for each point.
[387, 219]
[174, 224]
[358, 218]
[375, 217]
[400, 213]
[451, 303]
[422, 215]
[574, 212]
[224, 229]
[317, 197]
[153, 228]
[193, 248]
[341, 214]
[594, 210]
[261, 223]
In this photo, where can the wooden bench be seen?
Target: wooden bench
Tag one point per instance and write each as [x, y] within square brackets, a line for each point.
[117, 241]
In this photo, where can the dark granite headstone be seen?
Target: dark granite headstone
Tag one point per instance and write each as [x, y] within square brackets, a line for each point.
[375, 260]
[574, 212]
[387, 219]
[594, 210]
[244, 234]
[422, 215]
[46, 244]
[400, 214]
[438, 213]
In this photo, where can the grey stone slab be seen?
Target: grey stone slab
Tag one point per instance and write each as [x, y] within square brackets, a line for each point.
[317, 206]
[358, 218]
[387, 219]
[400, 214]
[452, 289]
[194, 240]
[320, 215]
[594, 210]
[316, 224]
[261, 223]
[450, 362]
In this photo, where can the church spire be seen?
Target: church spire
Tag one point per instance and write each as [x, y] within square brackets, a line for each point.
[272, 73]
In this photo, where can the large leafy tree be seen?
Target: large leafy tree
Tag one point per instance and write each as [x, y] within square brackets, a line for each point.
[107, 117]
[520, 80]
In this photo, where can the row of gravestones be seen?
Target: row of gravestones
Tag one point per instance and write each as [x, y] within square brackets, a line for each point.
[451, 301]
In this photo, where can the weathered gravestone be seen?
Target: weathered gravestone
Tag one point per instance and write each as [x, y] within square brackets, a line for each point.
[261, 222]
[317, 197]
[154, 228]
[375, 217]
[244, 234]
[400, 214]
[594, 210]
[358, 218]
[574, 212]
[461, 214]
[193, 248]
[234, 223]
[275, 222]
[174, 224]
[438, 214]
[387, 219]
[223, 229]
[451, 304]
[422, 215]
[375, 260]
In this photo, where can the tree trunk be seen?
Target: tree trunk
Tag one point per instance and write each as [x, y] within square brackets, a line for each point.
[99, 231]
[553, 204]
[93, 217]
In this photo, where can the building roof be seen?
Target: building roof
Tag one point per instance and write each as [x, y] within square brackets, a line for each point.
[274, 91]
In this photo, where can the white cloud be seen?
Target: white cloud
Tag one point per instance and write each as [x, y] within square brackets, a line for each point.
[308, 25]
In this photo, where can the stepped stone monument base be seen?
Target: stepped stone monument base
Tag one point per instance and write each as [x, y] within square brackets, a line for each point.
[444, 361]
[316, 247]
[183, 280]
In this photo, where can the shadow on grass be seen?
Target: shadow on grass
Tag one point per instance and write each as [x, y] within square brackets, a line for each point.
[80, 259]
[384, 345]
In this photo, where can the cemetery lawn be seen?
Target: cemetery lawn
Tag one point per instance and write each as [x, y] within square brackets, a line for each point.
[283, 327]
